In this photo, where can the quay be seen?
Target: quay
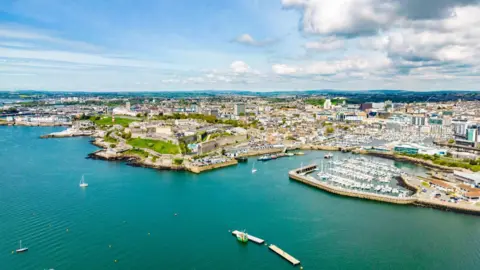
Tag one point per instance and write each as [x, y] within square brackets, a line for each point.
[250, 237]
[283, 254]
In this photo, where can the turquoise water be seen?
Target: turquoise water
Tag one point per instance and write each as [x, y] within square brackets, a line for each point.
[40, 199]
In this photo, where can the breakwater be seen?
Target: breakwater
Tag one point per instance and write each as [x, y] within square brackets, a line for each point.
[199, 169]
[300, 176]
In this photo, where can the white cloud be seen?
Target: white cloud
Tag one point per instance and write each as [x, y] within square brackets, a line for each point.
[282, 69]
[375, 64]
[326, 44]
[247, 39]
[345, 17]
[240, 67]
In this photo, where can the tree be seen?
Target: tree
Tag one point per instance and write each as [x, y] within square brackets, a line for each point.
[329, 130]
[451, 141]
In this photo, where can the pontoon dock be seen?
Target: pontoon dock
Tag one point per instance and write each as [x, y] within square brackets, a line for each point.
[285, 255]
[250, 237]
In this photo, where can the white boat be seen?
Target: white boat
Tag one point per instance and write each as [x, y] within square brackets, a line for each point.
[19, 250]
[82, 182]
[253, 168]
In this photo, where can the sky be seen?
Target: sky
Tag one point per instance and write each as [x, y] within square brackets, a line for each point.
[258, 45]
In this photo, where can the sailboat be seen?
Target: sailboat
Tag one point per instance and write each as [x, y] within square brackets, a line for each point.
[82, 182]
[253, 168]
[19, 250]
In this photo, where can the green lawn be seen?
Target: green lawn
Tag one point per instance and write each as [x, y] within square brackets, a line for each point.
[109, 139]
[107, 121]
[161, 147]
[137, 152]
[447, 161]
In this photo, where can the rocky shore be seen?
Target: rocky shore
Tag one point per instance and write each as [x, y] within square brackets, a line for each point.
[70, 132]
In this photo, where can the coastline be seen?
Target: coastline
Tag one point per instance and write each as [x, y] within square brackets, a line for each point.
[33, 124]
[420, 162]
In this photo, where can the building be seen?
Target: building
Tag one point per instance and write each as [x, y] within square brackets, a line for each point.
[327, 105]
[435, 121]
[127, 106]
[406, 149]
[366, 106]
[206, 147]
[418, 120]
[442, 185]
[413, 149]
[472, 195]
[239, 109]
[472, 179]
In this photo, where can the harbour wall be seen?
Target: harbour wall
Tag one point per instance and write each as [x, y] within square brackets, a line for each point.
[349, 193]
[413, 200]
[261, 152]
[199, 169]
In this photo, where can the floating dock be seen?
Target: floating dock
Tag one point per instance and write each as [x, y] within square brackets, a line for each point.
[285, 255]
[250, 237]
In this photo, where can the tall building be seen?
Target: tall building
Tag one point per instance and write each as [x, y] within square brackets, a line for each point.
[127, 105]
[418, 120]
[239, 109]
[328, 104]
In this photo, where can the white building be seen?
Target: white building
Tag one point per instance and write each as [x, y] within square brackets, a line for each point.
[328, 104]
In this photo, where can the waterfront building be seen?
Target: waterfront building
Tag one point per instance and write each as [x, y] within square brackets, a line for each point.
[413, 149]
[467, 178]
[473, 195]
[442, 185]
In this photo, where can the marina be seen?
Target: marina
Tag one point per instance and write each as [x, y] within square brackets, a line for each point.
[361, 174]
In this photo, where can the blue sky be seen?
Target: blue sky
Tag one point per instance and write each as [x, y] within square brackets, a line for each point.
[120, 45]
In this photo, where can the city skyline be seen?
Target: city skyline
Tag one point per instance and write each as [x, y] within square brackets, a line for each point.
[240, 45]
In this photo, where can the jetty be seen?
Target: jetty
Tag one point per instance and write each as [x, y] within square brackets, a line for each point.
[283, 254]
[250, 237]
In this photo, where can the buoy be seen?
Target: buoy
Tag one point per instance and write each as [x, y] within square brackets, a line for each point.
[12, 252]
[110, 246]
[148, 233]
[301, 267]
[67, 229]
[175, 214]
[115, 261]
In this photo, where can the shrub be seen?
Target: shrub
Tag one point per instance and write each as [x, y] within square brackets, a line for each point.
[178, 161]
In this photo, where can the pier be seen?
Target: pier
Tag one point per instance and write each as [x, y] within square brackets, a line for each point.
[250, 237]
[283, 254]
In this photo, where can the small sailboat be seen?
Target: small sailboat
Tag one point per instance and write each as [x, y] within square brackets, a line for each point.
[328, 156]
[82, 182]
[20, 250]
[253, 168]
[242, 237]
